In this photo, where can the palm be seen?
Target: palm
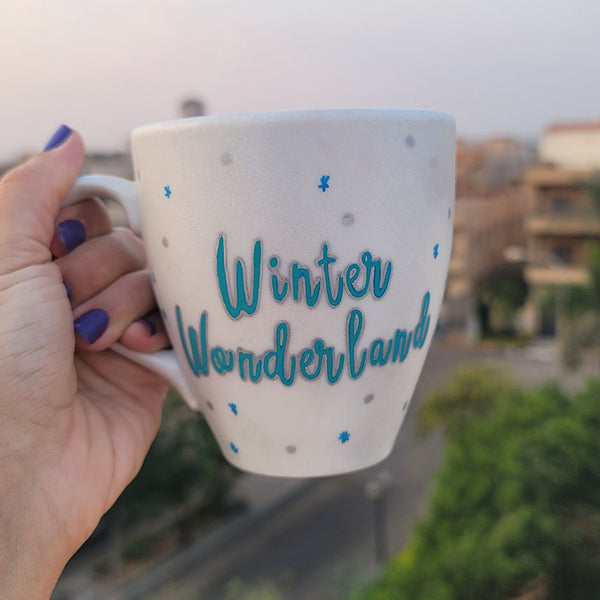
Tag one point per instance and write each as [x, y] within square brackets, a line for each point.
[103, 415]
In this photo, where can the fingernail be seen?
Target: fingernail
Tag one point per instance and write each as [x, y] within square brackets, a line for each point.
[151, 325]
[92, 325]
[68, 290]
[72, 234]
[59, 136]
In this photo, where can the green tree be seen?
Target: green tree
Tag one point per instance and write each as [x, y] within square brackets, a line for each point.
[516, 500]
[499, 297]
[184, 463]
[581, 312]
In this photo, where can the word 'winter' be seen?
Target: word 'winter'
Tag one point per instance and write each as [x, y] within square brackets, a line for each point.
[240, 290]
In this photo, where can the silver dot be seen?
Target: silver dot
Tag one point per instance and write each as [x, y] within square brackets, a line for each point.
[410, 141]
[369, 398]
[226, 158]
[291, 449]
[348, 220]
[165, 242]
[210, 405]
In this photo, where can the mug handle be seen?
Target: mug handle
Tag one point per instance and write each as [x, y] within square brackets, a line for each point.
[124, 193]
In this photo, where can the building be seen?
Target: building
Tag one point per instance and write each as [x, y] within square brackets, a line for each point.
[484, 225]
[563, 218]
[489, 216]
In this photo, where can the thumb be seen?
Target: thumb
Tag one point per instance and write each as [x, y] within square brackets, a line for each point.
[30, 198]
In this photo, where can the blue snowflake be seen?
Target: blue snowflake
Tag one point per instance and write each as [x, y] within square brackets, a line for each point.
[233, 447]
[344, 437]
[233, 408]
[324, 182]
[436, 250]
[168, 191]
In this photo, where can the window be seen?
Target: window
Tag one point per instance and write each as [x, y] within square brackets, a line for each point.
[561, 204]
[563, 254]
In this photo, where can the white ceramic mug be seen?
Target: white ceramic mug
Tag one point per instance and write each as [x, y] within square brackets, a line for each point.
[299, 260]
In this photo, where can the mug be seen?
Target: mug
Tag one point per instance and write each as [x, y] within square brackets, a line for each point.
[299, 261]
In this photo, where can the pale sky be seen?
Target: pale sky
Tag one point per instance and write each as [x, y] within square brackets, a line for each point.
[104, 67]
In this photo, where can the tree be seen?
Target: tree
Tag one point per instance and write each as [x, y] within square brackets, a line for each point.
[516, 500]
[183, 463]
[499, 297]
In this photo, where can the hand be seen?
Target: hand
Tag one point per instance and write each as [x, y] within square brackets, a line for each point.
[76, 419]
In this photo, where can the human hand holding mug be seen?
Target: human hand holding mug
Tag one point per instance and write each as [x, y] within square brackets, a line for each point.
[299, 260]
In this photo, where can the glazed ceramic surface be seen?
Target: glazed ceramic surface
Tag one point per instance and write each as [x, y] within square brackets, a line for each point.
[299, 260]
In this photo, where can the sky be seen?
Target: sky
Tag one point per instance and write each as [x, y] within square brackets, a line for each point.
[104, 67]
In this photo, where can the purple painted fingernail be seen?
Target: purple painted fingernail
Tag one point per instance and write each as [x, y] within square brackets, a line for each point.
[58, 137]
[68, 290]
[151, 325]
[92, 325]
[72, 234]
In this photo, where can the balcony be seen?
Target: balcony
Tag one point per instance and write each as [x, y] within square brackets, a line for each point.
[538, 275]
[576, 224]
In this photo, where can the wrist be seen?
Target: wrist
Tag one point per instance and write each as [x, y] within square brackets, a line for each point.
[31, 557]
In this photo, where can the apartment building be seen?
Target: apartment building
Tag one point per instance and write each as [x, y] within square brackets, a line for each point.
[563, 217]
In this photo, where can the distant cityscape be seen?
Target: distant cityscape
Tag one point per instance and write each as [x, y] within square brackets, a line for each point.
[515, 203]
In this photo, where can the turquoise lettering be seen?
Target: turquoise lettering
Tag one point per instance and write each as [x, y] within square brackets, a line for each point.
[423, 326]
[312, 294]
[222, 361]
[355, 327]
[254, 369]
[325, 261]
[242, 305]
[379, 355]
[198, 363]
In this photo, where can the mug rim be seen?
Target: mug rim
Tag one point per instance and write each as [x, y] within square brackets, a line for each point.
[290, 116]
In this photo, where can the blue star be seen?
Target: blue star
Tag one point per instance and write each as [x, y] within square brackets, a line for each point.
[233, 447]
[233, 408]
[324, 182]
[168, 191]
[344, 437]
[436, 249]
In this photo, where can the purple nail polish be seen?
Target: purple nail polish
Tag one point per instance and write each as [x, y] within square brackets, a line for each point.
[151, 325]
[68, 290]
[72, 234]
[59, 136]
[92, 324]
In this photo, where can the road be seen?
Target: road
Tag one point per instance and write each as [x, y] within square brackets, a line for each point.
[321, 545]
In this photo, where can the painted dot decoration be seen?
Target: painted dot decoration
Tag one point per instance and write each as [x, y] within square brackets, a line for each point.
[273, 262]
[410, 141]
[165, 242]
[234, 447]
[348, 220]
[226, 158]
[344, 437]
[369, 398]
[234, 408]
[291, 449]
